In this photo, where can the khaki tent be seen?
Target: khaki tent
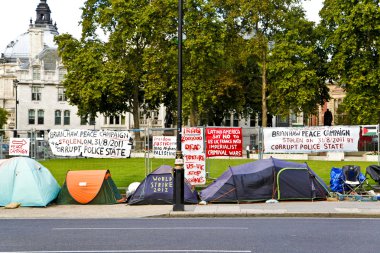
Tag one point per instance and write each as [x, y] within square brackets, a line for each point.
[89, 187]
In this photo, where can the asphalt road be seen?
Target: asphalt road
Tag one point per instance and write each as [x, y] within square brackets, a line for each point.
[235, 235]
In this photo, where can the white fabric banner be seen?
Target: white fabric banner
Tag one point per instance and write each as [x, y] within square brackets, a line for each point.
[311, 139]
[90, 143]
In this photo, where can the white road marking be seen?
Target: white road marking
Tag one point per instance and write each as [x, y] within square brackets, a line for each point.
[129, 251]
[159, 228]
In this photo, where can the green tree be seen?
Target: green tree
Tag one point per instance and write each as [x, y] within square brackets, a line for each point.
[297, 68]
[109, 76]
[3, 117]
[3, 120]
[277, 35]
[352, 40]
[210, 89]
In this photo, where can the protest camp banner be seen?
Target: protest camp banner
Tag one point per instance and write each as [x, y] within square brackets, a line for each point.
[90, 143]
[19, 146]
[193, 155]
[311, 139]
[164, 146]
[224, 142]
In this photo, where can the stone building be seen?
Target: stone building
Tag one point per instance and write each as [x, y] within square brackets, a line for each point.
[31, 89]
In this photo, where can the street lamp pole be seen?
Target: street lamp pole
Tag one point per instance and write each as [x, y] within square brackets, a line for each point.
[179, 173]
[15, 85]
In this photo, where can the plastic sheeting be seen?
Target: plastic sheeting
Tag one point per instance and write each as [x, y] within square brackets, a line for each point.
[337, 179]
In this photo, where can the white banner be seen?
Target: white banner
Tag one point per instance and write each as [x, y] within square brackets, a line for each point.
[311, 139]
[164, 146]
[90, 143]
[19, 146]
[193, 154]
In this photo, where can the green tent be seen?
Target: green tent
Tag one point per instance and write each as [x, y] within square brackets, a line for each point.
[89, 187]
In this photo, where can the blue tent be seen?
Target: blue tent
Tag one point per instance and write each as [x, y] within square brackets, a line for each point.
[25, 181]
[266, 179]
[157, 189]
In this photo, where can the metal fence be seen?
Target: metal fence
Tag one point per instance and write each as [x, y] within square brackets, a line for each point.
[252, 142]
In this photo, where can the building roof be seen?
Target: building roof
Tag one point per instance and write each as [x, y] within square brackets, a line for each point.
[19, 48]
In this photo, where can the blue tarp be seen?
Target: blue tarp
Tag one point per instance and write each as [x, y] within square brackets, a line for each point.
[337, 179]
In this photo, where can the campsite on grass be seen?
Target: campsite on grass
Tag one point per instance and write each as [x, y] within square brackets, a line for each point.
[89, 181]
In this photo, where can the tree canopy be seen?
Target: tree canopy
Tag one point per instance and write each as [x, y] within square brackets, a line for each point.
[352, 30]
[239, 56]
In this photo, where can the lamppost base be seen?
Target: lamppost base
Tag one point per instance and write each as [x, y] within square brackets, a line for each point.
[179, 178]
[178, 207]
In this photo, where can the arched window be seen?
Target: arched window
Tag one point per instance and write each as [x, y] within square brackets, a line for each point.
[40, 117]
[32, 116]
[57, 117]
[66, 117]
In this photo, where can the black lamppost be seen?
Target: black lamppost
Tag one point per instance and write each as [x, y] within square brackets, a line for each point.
[15, 84]
[179, 173]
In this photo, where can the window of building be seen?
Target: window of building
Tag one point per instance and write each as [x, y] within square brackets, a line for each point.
[236, 120]
[117, 119]
[36, 73]
[252, 120]
[32, 116]
[227, 120]
[61, 74]
[57, 117]
[92, 120]
[36, 93]
[66, 117]
[61, 94]
[40, 117]
[83, 120]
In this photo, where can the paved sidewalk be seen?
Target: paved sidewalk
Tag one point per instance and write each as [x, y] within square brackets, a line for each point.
[281, 209]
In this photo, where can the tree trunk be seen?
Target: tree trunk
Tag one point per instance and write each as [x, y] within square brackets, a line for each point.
[264, 109]
[139, 145]
[193, 114]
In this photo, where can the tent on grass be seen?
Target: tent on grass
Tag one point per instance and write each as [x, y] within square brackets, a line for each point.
[266, 179]
[157, 189]
[25, 181]
[89, 187]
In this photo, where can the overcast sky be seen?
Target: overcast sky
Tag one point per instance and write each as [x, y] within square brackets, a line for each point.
[15, 16]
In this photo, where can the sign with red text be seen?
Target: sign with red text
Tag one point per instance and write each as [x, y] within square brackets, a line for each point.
[224, 142]
[90, 143]
[193, 155]
[311, 139]
[164, 146]
[19, 146]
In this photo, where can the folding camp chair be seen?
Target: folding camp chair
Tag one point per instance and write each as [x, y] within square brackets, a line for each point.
[374, 172]
[351, 182]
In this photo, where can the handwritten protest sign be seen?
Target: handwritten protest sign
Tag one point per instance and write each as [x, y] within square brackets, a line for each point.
[161, 183]
[193, 154]
[164, 146]
[224, 142]
[311, 139]
[90, 143]
[19, 146]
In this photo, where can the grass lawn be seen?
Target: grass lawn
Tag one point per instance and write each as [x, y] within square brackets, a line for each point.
[126, 171]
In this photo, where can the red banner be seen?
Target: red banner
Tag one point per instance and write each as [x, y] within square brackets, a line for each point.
[224, 142]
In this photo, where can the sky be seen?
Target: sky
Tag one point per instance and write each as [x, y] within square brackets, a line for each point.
[15, 16]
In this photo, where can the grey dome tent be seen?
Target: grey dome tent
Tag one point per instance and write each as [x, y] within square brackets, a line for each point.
[157, 189]
[266, 179]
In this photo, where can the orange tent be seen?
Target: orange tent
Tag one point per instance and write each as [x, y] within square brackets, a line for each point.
[89, 187]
